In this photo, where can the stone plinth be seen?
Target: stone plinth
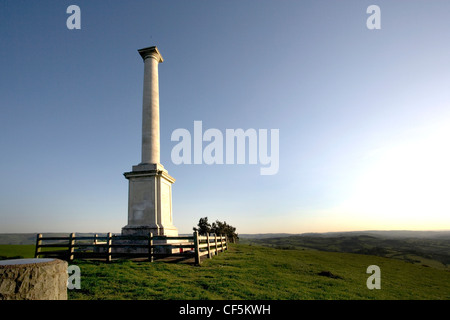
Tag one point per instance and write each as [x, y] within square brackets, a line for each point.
[149, 202]
[33, 279]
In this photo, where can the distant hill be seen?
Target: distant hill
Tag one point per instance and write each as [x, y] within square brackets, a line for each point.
[30, 238]
[18, 238]
[429, 248]
[265, 235]
[377, 233]
[391, 234]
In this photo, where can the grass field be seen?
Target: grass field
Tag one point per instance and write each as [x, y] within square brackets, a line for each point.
[9, 251]
[259, 273]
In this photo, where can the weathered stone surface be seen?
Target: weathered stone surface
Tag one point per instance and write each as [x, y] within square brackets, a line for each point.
[33, 279]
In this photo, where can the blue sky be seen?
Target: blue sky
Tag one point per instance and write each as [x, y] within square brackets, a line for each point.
[363, 115]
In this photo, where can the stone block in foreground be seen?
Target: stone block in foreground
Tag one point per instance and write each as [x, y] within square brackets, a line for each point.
[33, 279]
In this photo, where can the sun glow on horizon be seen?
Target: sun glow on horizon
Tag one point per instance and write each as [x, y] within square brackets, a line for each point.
[407, 183]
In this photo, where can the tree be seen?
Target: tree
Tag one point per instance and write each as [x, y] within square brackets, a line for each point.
[203, 226]
[217, 227]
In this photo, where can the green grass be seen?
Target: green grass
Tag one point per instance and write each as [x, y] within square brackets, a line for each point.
[259, 273]
[255, 272]
[10, 251]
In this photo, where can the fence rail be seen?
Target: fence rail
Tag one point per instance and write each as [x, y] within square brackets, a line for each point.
[113, 246]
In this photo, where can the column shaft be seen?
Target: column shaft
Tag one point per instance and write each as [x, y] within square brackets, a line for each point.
[150, 112]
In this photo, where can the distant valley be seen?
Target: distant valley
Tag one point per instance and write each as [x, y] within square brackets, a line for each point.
[427, 248]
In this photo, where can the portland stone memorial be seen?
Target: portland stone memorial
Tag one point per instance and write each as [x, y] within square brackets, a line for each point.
[150, 185]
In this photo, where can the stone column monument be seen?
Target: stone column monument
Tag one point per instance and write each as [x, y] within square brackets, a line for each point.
[150, 186]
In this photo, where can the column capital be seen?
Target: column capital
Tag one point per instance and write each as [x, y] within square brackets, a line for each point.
[151, 52]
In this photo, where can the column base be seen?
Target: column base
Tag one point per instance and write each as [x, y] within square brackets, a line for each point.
[161, 246]
[148, 167]
[169, 231]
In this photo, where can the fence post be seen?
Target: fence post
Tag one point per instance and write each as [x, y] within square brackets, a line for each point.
[197, 249]
[150, 247]
[71, 246]
[226, 242]
[218, 243]
[38, 245]
[215, 242]
[209, 247]
[221, 242]
[108, 247]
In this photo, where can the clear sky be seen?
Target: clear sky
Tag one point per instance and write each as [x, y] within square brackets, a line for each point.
[363, 115]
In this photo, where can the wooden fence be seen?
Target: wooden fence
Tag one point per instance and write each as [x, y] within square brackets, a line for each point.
[109, 247]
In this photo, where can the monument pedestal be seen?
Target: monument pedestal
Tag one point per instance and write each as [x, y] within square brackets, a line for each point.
[149, 201]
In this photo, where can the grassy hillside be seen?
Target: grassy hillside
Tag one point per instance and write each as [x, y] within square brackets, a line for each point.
[256, 272]
[433, 252]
